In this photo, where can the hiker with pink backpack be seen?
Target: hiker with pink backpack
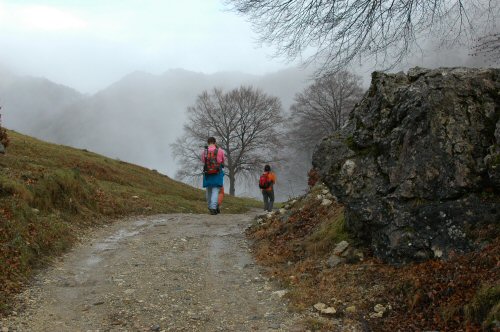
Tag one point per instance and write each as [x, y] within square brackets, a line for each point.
[213, 174]
[266, 184]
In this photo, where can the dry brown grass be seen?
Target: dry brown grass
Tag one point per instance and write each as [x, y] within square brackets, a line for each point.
[460, 294]
[49, 193]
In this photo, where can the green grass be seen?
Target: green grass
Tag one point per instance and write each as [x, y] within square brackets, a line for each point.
[49, 193]
[329, 233]
[484, 308]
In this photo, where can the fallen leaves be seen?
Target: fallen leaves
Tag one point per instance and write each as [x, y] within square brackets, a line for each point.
[426, 296]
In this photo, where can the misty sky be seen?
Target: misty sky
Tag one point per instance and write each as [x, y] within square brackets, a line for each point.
[89, 44]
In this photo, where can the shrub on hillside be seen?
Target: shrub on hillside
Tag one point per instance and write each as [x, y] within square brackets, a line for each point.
[312, 177]
[4, 139]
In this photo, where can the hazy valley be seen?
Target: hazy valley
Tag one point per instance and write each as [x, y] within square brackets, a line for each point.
[134, 119]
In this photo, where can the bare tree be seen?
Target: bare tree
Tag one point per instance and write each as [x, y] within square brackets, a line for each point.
[246, 123]
[318, 110]
[488, 47]
[323, 107]
[340, 31]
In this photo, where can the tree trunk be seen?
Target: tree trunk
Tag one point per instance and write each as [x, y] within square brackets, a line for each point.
[232, 178]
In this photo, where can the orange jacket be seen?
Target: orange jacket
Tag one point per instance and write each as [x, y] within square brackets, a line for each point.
[272, 178]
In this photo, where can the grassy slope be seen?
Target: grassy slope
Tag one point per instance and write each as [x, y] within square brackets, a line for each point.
[459, 294]
[48, 193]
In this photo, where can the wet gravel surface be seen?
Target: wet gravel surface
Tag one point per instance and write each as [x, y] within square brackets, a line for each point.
[181, 272]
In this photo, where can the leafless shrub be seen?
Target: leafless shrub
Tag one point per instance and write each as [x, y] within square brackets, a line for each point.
[4, 138]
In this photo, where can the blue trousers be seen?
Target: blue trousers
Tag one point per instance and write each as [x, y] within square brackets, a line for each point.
[212, 197]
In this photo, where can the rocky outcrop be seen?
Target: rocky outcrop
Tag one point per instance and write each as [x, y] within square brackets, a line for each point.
[418, 163]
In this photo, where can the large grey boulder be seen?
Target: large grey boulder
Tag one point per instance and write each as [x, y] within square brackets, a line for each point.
[418, 163]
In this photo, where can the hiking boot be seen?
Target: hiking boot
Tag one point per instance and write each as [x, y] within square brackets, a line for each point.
[217, 210]
[213, 212]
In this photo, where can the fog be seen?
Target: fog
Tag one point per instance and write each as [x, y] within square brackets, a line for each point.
[116, 78]
[88, 45]
[136, 118]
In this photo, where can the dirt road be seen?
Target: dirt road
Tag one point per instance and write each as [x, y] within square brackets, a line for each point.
[163, 273]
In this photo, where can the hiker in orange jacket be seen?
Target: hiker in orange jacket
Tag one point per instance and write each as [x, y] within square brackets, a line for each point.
[266, 183]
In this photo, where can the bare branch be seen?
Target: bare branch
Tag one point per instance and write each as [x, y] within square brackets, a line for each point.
[323, 108]
[246, 123]
[342, 30]
[488, 47]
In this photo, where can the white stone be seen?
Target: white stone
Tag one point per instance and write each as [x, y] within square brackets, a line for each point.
[376, 315]
[348, 167]
[326, 202]
[325, 192]
[334, 260]
[379, 308]
[280, 293]
[438, 253]
[319, 197]
[320, 306]
[351, 309]
[340, 247]
[329, 311]
[282, 211]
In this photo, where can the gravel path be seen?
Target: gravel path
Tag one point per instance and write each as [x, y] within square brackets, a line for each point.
[181, 272]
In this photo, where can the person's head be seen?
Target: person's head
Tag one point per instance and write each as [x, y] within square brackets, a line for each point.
[267, 168]
[211, 140]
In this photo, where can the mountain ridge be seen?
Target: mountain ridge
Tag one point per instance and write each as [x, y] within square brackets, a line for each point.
[137, 117]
